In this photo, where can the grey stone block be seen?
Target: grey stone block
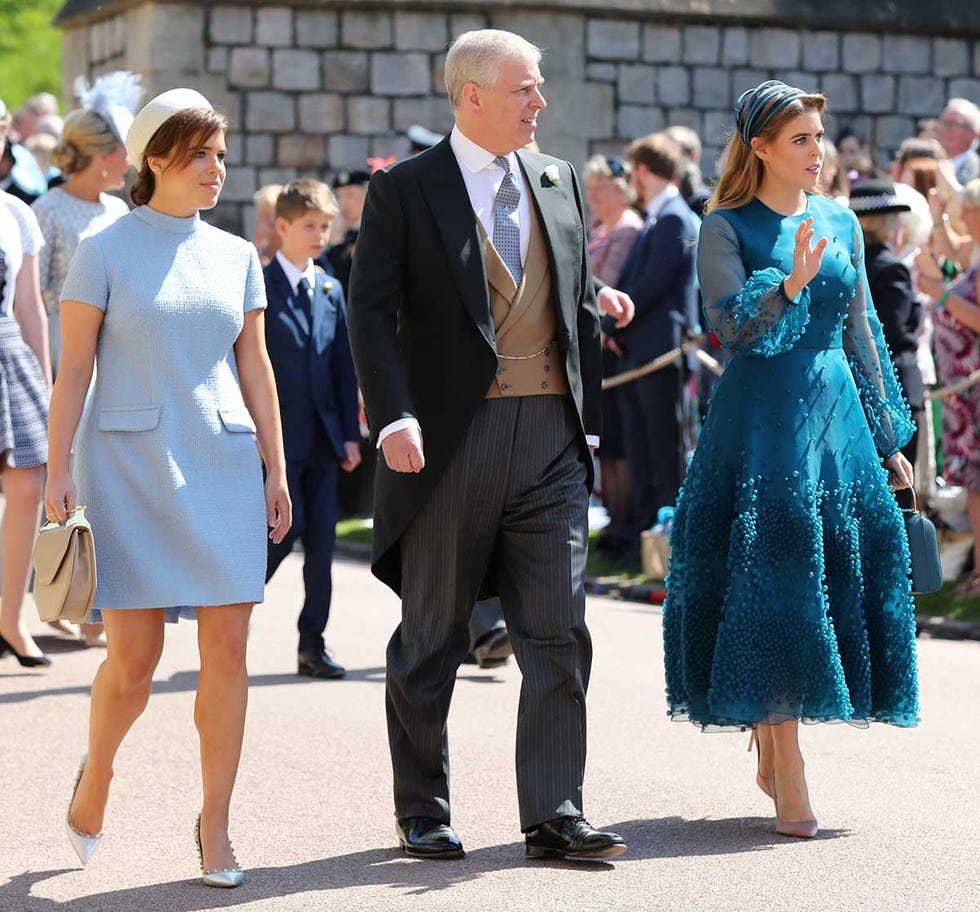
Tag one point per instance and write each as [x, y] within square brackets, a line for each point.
[321, 113]
[735, 45]
[674, 85]
[365, 29]
[385, 146]
[295, 69]
[398, 73]
[227, 217]
[636, 84]
[595, 98]
[438, 75]
[950, 56]
[421, 32]
[841, 91]
[231, 25]
[298, 151]
[745, 79]
[923, 96]
[861, 53]
[906, 54]
[240, 183]
[368, 114]
[465, 22]
[613, 39]
[276, 176]
[274, 26]
[890, 131]
[234, 149]
[432, 112]
[601, 72]
[634, 121]
[878, 94]
[821, 51]
[774, 47]
[218, 59]
[711, 88]
[270, 112]
[702, 43]
[248, 67]
[317, 28]
[260, 149]
[718, 127]
[177, 44]
[962, 88]
[347, 151]
[661, 43]
[976, 58]
[684, 117]
[346, 71]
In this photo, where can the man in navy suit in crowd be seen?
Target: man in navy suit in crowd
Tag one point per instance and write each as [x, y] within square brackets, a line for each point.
[659, 276]
[306, 335]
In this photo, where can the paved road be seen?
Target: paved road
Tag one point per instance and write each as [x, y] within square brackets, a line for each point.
[312, 819]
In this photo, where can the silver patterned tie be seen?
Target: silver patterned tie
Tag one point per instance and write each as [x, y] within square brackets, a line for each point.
[506, 234]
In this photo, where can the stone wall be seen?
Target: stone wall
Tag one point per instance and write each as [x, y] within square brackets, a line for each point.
[316, 87]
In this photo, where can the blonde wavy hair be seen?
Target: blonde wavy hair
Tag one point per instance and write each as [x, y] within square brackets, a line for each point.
[743, 170]
[86, 135]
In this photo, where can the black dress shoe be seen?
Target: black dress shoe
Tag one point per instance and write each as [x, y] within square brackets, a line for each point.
[425, 837]
[26, 661]
[315, 663]
[571, 838]
[493, 649]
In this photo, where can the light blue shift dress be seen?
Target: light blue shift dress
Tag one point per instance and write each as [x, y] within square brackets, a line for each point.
[165, 458]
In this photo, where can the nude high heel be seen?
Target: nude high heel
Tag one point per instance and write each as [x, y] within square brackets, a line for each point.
[227, 879]
[767, 785]
[84, 844]
[801, 829]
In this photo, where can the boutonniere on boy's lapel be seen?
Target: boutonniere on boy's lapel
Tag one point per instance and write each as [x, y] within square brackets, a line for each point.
[327, 285]
[550, 176]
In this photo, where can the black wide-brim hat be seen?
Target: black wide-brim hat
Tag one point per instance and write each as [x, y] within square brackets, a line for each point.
[876, 197]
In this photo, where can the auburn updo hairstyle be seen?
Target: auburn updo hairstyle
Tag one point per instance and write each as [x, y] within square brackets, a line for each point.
[86, 134]
[176, 139]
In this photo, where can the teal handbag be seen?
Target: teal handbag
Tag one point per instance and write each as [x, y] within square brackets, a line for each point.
[927, 569]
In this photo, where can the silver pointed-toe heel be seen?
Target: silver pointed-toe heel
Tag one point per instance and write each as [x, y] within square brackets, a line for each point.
[83, 843]
[226, 879]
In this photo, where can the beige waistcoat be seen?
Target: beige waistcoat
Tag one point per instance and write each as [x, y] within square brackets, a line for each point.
[524, 322]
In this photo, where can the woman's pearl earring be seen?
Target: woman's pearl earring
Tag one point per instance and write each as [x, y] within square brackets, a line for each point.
[105, 173]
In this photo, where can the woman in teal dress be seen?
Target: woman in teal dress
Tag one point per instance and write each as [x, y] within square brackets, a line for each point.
[788, 594]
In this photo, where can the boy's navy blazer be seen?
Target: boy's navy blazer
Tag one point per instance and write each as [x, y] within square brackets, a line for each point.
[313, 365]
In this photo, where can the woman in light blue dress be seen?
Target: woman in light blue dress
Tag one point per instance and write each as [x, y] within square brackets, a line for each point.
[788, 594]
[167, 453]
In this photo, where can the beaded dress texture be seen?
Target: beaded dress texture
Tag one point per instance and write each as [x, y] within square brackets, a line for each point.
[788, 592]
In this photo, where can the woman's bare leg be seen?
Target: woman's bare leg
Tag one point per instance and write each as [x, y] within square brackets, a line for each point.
[22, 491]
[119, 695]
[219, 713]
[792, 797]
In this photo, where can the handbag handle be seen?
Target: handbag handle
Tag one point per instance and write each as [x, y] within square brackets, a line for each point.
[71, 515]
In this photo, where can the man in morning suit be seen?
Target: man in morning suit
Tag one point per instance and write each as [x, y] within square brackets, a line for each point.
[659, 276]
[306, 335]
[476, 339]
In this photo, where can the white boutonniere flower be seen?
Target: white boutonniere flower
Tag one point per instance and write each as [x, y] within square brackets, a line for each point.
[550, 176]
[327, 285]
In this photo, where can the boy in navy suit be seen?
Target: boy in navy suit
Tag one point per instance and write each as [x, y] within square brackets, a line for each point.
[306, 335]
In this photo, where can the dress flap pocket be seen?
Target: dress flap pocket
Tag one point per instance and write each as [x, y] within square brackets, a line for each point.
[138, 418]
[237, 420]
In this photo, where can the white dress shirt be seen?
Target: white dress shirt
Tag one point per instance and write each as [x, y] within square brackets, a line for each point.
[657, 203]
[294, 273]
[483, 178]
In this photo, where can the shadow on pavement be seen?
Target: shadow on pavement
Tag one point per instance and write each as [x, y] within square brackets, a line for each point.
[375, 867]
[675, 837]
[184, 681]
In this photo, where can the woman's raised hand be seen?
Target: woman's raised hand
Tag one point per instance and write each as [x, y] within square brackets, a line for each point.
[806, 258]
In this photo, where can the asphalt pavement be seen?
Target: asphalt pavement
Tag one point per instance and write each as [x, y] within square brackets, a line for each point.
[312, 819]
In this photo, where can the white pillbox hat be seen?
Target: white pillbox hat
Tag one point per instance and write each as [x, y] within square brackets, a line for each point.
[154, 113]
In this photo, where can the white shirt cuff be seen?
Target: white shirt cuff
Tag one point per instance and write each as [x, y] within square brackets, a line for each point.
[398, 425]
[592, 440]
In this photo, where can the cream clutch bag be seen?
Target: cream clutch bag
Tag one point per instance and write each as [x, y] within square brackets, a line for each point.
[65, 575]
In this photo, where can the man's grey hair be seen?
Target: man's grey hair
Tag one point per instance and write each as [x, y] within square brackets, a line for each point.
[476, 57]
[969, 111]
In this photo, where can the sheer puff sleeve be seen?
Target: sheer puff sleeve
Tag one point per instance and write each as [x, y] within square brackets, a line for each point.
[884, 405]
[748, 313]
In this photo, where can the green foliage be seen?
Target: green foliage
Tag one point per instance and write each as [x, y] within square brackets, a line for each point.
[30, 50]
[947, 603]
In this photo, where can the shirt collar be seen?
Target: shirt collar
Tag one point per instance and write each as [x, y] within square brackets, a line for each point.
[657, 203]
[473, 157]
[294, 273]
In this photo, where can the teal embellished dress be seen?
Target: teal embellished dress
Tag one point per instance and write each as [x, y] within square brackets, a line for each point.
[788, 595]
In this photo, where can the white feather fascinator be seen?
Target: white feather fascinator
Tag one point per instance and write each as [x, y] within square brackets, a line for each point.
[114, 97]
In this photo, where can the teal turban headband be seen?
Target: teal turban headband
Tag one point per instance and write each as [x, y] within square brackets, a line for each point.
[756, 107]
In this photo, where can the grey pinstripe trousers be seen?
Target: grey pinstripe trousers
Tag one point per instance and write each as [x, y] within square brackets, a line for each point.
[514, 494]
